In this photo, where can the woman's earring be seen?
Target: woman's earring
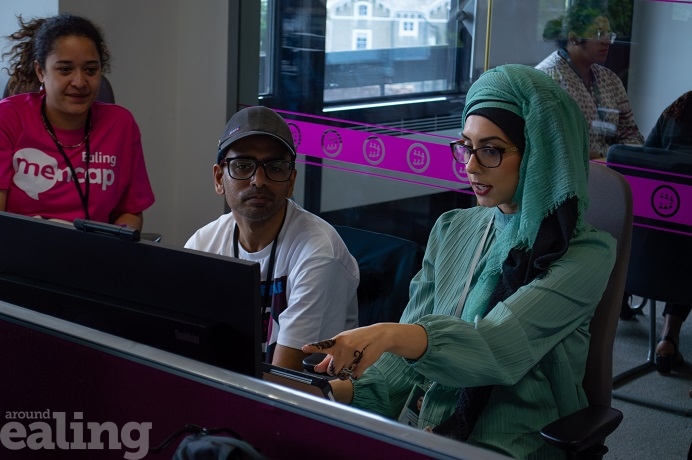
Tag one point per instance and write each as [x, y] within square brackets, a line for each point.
[41, 89]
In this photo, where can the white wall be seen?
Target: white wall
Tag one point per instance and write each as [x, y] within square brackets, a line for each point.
[28, 9]
[660, 61]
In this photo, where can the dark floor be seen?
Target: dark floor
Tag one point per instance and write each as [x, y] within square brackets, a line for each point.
[649, 433]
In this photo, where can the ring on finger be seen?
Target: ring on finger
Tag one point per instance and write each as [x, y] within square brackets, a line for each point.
[346, 373]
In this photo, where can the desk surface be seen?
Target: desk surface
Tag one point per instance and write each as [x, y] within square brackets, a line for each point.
[64, 366]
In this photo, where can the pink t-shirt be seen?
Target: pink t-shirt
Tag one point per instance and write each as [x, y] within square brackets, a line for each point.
[38, 179]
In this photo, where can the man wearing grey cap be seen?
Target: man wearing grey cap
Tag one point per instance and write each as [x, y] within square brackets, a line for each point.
[309, 279]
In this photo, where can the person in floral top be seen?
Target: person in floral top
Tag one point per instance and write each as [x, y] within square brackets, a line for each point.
[599, 92]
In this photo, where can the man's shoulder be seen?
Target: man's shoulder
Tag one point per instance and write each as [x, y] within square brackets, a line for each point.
[205, 236]
[221, 221]
[313, 234]
[310, 223]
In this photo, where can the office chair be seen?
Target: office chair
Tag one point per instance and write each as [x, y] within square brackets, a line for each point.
[106, 91]
[582, 434]
[661, 242]
[387, 264]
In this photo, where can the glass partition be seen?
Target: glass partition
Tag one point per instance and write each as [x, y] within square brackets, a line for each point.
[372, 78]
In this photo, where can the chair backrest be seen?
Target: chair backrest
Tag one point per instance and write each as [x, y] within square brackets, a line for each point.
[105, 91]
[610, 209]
[387, 264]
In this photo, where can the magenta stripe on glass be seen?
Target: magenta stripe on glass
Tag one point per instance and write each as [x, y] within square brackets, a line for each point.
[391, 153]
[660, 200]
[665, 202]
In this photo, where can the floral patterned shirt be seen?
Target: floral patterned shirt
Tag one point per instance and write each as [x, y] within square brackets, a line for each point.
[604, 104]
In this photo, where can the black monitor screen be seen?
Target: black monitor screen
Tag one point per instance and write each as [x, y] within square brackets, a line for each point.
[199, 305]
[649, 160]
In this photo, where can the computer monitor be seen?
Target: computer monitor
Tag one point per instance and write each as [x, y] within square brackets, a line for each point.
[199, 305]
[649, 160]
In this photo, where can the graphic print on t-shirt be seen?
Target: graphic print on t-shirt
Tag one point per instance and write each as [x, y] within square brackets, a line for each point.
[270, 316]
[37, 172]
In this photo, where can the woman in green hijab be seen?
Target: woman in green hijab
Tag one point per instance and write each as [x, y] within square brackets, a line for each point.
[498, 317]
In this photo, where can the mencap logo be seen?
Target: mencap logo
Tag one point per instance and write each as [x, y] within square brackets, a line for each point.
[374, 150]
[50, 431]
[331, 143]
[665, 201]
[36, 172]
[418, 158]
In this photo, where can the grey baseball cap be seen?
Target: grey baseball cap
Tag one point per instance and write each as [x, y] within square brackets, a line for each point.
[255, 120]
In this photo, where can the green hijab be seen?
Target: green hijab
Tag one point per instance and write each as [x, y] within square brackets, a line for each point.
[551, 196]
[554, 167]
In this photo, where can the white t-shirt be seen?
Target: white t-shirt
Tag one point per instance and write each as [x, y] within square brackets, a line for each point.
[314, 281]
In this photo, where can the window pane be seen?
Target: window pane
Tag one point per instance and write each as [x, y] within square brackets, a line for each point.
[401, 68]
[266, 34]
[373, 51]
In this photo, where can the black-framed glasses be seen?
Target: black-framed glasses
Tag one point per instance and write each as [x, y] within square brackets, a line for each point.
[605, 37]
[488, 157]
[245, 168]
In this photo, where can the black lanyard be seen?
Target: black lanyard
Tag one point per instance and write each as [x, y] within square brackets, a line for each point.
[83, 195]
[266, 298]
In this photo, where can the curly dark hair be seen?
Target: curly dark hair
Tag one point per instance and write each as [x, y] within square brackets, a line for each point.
[35, 41]
[678, 107]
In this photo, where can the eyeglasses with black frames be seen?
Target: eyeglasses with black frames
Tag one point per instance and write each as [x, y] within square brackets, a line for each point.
[488, 157]
[245, 168]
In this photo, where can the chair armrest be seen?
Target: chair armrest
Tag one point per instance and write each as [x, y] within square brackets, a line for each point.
[311, 361]
[582, 429]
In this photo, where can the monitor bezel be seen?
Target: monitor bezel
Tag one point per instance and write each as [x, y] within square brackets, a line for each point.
[138, 290]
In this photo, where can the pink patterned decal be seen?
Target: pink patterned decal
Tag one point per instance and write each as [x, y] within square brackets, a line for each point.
[374, 150]
[392, 153]
[331, 143]
[663, 201]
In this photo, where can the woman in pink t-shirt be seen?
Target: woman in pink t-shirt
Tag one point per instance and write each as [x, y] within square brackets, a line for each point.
[62, 154]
